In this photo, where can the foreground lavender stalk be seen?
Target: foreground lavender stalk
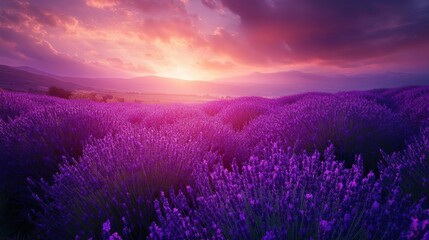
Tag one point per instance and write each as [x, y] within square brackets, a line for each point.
[290, 196]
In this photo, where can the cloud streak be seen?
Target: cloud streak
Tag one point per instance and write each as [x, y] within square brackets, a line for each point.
[332, 31]
[213, 38]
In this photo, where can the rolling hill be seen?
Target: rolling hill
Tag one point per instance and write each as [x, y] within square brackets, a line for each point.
[20, 80]
[259, 84]
[293, 82]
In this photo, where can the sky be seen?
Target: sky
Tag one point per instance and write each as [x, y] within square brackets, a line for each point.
[209, 39]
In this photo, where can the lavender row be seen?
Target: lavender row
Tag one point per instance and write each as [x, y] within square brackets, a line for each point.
[242, 168]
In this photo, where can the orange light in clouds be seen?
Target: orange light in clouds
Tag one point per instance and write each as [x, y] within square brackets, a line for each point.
[185, 73]
[179, 61]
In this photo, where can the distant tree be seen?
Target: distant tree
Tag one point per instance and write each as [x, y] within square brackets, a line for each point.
[108, 97]
[59, 92]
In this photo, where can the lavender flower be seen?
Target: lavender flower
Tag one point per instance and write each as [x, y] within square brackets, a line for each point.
[245, 168]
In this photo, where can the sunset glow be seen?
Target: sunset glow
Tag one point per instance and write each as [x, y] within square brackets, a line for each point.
[214, 119]
[207, 39]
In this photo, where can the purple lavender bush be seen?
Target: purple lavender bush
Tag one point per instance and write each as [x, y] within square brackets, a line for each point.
[116, 179]
[32, 146]
[170, 114]
[353, 124]
[214, 107]
[242, 111]
[245, 168]
[412, 164]
[212, 135]
[289, 196]
[135, 114]
[371, 96]
[13, 105]
[286, 100]
[414, 104]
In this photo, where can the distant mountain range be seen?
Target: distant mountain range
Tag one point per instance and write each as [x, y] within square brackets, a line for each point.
[25, 79]
[260, 84]
[20, 80]
[293, 82]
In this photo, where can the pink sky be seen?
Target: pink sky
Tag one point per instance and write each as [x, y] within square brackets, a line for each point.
[207, 39]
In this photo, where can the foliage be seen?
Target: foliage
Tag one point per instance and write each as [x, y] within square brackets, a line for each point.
[353, 124]
[118, 178]
[245, 168]
[59, 92]
[288, 196]
[33, 145]
[412, 164]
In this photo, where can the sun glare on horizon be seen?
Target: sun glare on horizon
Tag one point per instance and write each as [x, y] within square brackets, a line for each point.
[214, 119]
[184, 74]
[209, 39]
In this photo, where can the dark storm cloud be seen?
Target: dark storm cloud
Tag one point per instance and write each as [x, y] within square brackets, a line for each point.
[333, 31]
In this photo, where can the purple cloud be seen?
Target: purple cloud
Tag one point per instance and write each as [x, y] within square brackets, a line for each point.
[331, 31]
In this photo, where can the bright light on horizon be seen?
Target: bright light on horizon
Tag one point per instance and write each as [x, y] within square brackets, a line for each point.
[205, 40]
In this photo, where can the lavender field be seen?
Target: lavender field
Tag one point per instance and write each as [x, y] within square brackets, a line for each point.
[351, 165]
